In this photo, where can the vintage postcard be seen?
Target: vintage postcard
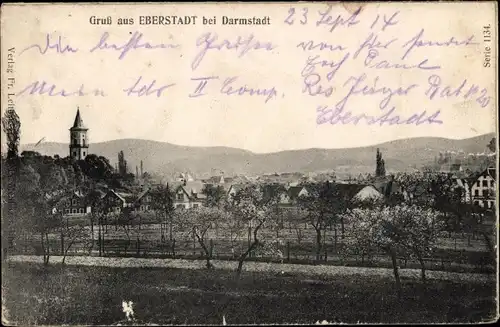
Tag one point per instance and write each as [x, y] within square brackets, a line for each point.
[249, 163]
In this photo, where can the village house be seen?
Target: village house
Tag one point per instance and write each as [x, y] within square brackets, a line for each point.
[360, 192]
[387, 186]
[289, 197]
[483, 189]
[189, 195]
[116, 201]
[143, 202]
[75, 204]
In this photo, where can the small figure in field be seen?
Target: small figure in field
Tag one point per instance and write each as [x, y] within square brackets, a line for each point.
[128, 310]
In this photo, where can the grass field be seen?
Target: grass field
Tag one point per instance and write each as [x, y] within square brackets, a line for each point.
[34, 294]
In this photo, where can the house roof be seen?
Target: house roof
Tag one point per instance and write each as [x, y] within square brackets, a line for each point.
[462, 182]
[293, 191]
[235, 187]
[125, 197]
[350, 190]
[142, 193]
[491, 171]
[193, 189]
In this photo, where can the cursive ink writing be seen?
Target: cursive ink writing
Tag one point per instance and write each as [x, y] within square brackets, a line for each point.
[371, 61]
[465, 90]
[133, 43]
[329, 20]
[309, 45]
[372, 42]
[228, 89]
[335, 65]
[208, 41]
[338, 115]
[58, 46]
[146, 89]
[417, 41]
[313, 88]
[358, 88]
[42, 88]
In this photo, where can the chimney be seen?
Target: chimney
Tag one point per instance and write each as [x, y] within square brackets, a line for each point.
[142, 171]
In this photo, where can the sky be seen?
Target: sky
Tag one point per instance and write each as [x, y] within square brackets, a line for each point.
[267, 92]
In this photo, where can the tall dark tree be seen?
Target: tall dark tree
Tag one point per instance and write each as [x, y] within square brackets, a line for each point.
[380, 168]
[96, 167]
[492, 146]
[215, 195]
[12, 128]
[122, 164]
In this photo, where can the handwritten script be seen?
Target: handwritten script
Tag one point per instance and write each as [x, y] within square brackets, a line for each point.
[376, 66]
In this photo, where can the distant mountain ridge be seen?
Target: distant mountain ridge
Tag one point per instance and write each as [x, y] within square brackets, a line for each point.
[166, 158]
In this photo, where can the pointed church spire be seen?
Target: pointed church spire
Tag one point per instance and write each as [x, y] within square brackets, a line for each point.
[78, 120]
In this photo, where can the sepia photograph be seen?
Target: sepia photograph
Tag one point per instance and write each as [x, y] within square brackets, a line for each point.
[249, 163]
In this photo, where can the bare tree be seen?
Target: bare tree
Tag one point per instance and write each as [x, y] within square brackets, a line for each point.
[199, 222]
[252, 205]
[324, 204]
[73, 234]
[396, 228]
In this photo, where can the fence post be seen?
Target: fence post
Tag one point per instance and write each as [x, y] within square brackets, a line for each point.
[62, 243]
[194, 245]
[173, 248]
[138, 246]
[288, 251]
[249, 240]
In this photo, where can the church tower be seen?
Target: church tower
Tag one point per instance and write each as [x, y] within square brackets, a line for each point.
[78, 143]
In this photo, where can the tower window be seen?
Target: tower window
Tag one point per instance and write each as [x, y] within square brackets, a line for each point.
[83, 152]
[74, 154]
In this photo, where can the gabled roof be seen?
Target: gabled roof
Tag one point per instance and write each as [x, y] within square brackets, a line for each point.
[488, 172]
[193, 189]
[350, 190]
[143, 193]
[124, 197]
[491, 171]
[235, 187]
[194, 186]
[293, 191]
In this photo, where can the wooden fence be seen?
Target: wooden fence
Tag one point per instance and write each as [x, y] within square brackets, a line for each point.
[286, 252]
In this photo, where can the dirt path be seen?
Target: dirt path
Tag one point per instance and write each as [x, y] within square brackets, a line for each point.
[254, 266]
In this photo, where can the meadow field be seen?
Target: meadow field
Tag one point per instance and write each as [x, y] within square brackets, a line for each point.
[56, 294]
